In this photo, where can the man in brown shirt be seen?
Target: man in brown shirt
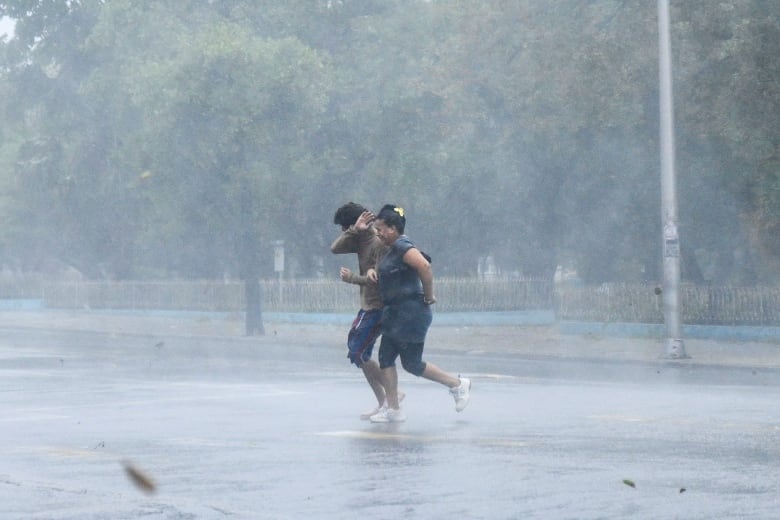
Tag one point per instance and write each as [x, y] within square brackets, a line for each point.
[366, 327]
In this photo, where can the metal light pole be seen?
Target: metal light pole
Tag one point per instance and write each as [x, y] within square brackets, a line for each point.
[675, 348]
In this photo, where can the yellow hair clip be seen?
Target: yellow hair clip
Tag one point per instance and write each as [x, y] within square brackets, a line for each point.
[400, 211]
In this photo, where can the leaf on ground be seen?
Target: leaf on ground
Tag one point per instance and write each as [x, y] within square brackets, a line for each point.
[139, 478]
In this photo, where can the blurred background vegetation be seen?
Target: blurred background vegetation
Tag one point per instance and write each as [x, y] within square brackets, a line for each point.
[180, 140]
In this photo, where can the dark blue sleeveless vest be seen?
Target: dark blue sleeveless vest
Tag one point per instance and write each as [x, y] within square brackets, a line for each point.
[405, 316]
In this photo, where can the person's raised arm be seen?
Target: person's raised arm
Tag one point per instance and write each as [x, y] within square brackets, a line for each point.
[345, 243]
[349, 241]
[364, 220]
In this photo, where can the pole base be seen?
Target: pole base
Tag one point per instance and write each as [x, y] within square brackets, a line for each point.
[675, 349]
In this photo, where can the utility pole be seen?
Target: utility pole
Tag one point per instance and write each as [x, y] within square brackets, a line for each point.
[675, 348]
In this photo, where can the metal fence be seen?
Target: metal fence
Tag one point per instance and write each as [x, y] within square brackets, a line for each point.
[636, 303]
[704, 305]
[609, 303]
[277, 296]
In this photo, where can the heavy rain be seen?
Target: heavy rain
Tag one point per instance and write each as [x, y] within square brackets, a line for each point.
[595, 187]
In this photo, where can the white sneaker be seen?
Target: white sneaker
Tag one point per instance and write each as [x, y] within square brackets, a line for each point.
[388, 415]
[461, 394]
[367, 415]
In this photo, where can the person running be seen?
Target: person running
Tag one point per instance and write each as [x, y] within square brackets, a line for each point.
[358, 236]
[406, 289]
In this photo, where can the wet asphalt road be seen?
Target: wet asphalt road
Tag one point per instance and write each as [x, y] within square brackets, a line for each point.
[232, 429]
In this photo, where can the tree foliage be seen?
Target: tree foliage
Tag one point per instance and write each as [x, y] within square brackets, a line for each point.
[166, 138]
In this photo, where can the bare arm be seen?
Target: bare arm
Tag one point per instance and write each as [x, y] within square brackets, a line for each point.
[364, 220]
[417, 261]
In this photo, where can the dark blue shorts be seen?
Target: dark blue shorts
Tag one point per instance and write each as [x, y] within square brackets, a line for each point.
[410, 352]
[362, 336]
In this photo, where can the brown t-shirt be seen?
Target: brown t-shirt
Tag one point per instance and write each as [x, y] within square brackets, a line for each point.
[369, 250]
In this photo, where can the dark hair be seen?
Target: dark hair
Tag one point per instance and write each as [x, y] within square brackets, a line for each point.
[393, 216]
[348, 214]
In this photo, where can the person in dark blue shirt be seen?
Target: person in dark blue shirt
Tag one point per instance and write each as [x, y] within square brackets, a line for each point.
[406, 286]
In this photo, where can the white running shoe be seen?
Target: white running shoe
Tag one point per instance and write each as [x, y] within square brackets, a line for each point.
[367, 415]
[388, 415]
[461, 394]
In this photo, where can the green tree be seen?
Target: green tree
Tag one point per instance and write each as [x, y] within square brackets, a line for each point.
[729, 98]
[227, 122]
[182, 138]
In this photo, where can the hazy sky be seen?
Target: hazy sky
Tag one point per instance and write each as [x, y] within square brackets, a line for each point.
[6, 26]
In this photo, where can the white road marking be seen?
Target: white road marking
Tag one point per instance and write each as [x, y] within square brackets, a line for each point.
[489, 376]
[622, 418]
[37, 417]
[378, 435]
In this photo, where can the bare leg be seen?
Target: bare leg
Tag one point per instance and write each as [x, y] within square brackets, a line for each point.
[374, 377]
[434, 373]
[390, 380]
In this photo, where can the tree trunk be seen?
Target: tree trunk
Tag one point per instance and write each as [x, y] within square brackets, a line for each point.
[254, 309]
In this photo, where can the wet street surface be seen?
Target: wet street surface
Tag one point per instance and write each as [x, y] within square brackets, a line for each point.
[247, 429]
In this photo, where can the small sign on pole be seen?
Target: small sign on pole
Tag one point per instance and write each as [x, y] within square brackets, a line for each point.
[279, 256]
[279, 263]
[671, 241]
